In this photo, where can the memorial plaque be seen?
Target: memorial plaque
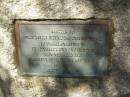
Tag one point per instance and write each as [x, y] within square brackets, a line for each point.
[66, 48]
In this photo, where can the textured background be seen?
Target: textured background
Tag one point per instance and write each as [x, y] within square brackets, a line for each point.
[117, 84]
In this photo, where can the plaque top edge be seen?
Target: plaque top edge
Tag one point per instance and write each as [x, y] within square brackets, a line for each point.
[84, 21]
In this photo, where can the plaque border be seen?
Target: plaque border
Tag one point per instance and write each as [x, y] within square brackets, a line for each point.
[107, 22]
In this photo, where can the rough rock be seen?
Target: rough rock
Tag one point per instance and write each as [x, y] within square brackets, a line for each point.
[117, 84]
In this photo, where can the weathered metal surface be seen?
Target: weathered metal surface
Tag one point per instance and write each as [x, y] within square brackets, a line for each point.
[65, 48]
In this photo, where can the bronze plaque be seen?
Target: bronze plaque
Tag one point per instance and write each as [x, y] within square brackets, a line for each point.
[66, 48]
